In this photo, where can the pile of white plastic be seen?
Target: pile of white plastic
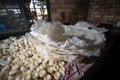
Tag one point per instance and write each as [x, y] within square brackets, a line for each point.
[55, 41]
[42, 52]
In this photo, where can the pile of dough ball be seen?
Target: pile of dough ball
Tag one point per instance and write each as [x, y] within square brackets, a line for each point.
[20, 61]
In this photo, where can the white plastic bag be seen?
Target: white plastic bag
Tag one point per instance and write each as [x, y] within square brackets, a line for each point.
[60, 42]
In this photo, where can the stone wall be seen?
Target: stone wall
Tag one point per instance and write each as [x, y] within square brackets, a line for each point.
[68, 10]
[96, 11]
[104, 11]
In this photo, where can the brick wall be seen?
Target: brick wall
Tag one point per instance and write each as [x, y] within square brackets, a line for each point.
[69, 10]
[96, 11]
[104, 11]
